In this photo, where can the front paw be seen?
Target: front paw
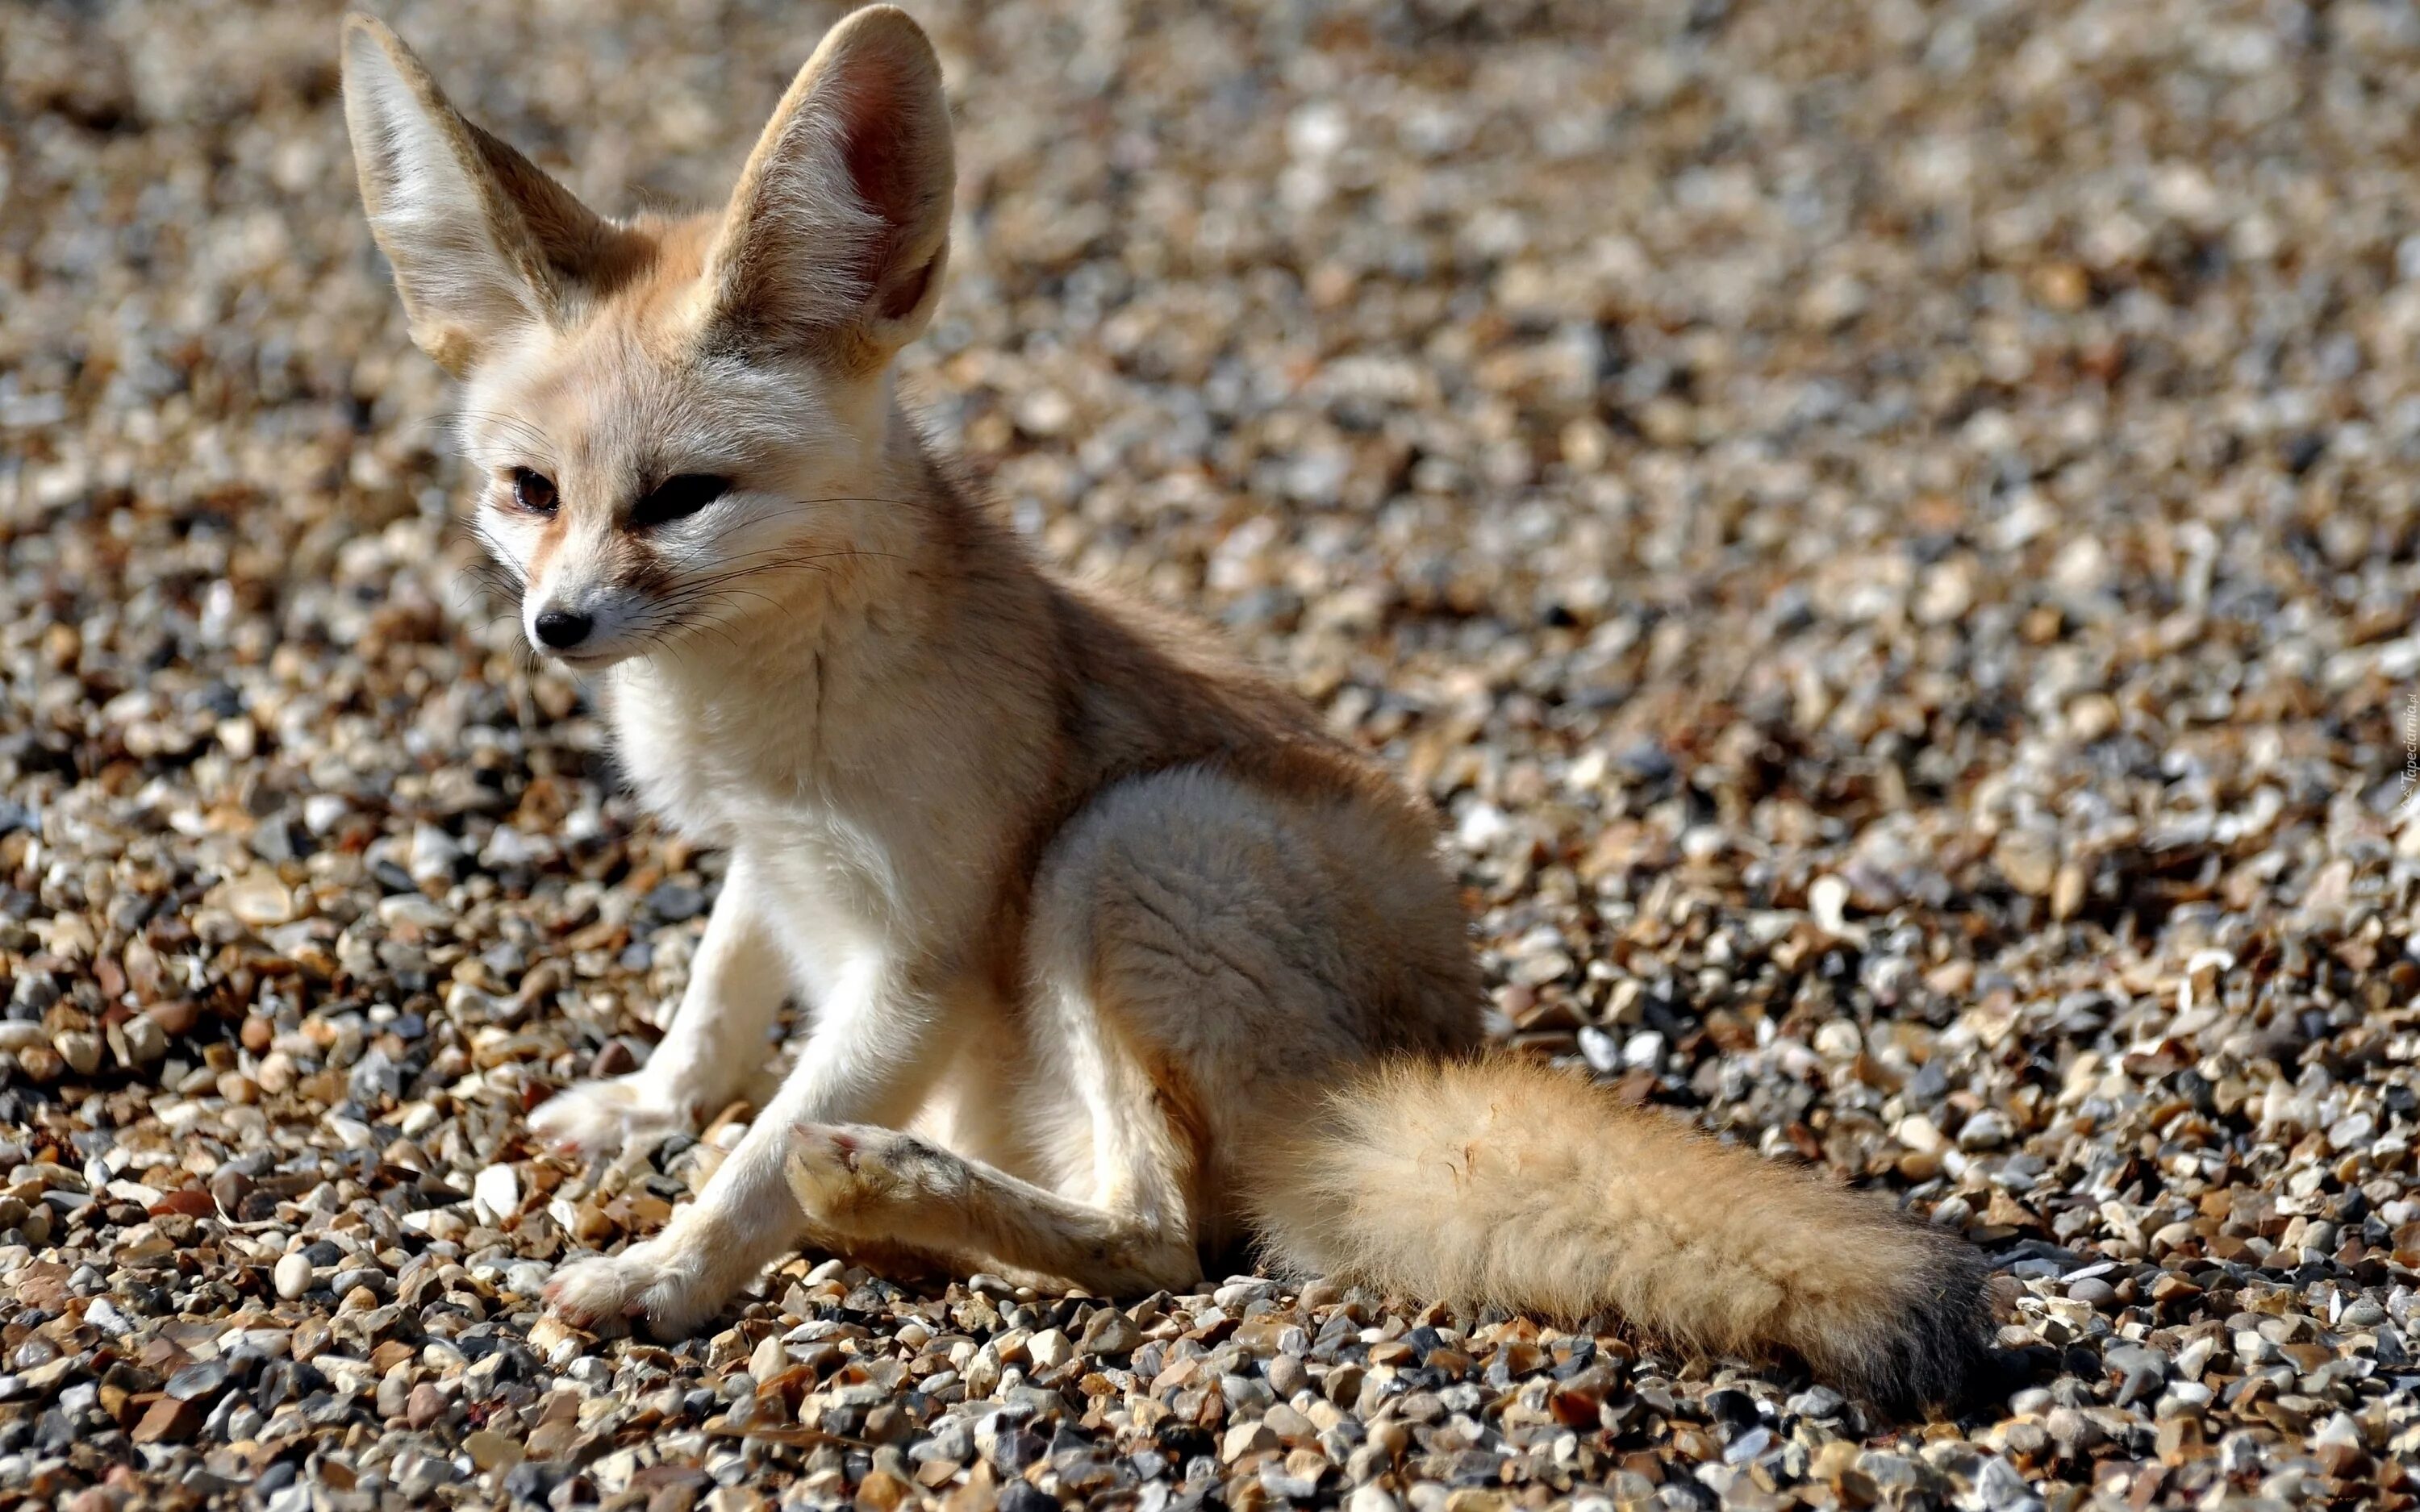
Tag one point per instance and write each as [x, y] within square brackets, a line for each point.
[862, 1179]
[599, 1118]
[657, 1285]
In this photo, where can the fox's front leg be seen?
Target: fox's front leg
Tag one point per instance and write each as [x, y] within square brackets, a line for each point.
[716, 1040]
[870, 1058]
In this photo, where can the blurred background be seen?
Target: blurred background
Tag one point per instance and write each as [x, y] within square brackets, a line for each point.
[1889, 529]
[1857, 438]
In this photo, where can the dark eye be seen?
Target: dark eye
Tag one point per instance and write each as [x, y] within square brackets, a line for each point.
[678, 498]
[534, 491]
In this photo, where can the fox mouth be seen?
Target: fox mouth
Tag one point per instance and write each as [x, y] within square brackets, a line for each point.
[586, 661]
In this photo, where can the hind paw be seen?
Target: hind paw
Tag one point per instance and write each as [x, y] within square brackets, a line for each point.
[859, 1179]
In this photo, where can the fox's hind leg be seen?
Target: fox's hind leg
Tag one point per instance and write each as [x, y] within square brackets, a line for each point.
[1114, 1210]
[1120, 1215]
[1183, 975]
[883, 1186]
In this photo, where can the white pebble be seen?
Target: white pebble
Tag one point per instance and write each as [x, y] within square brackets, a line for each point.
[293, 1274]
[1049, 1349]
[496, 1195]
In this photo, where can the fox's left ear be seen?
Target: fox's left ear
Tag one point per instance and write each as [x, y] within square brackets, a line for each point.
[837, 233]
[484, 244]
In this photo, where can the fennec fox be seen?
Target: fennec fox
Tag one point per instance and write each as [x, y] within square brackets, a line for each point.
[1113, 951]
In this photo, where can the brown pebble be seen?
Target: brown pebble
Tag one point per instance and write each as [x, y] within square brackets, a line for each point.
[489, 1450]
[192, 1201]
[390, 1354]
[679, 1496]
[227, 1190]
[177, 1016]
[552, 1440]
[613, 1058]
[168, 1421]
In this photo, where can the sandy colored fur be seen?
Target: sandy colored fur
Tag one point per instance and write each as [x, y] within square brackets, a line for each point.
[1499, 1179]
[1087, 913]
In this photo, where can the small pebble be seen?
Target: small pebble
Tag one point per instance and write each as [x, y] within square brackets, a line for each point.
[1887, 536]
[293, 1274]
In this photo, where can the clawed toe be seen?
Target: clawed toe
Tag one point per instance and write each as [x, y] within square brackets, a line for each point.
[826, 1145]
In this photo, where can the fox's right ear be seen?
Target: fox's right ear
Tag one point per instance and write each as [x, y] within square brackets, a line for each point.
[484, 245]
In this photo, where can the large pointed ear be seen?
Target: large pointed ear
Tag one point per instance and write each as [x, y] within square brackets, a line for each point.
[838, 230]
[484, 245]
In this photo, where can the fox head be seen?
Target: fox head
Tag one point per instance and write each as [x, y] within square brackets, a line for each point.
[669, 418]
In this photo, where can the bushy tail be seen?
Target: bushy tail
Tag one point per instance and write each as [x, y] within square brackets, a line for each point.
[1500, 1179]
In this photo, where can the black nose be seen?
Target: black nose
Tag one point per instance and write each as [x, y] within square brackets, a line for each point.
[562, 629]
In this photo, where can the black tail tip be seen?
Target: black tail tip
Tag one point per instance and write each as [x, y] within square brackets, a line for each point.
[1937, 1351]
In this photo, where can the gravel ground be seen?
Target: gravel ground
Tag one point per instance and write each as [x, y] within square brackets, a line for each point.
[1890, 532]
